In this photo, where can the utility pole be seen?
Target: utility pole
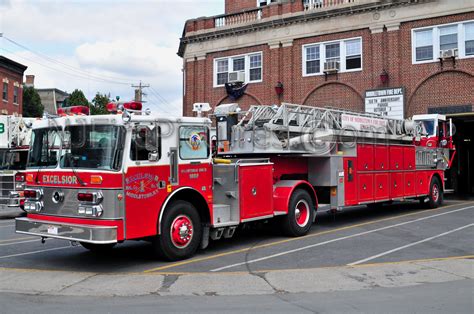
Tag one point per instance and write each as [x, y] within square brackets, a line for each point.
[139, 91]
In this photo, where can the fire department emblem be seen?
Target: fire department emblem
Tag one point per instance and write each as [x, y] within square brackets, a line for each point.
[142, 186]
[195, 141]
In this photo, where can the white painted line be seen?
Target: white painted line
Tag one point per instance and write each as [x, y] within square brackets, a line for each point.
[19, 242]
[4, 226]
[408, 245]
[338, 239]
[34, 252]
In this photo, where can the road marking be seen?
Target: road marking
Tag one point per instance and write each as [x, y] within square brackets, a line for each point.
[16, 239]
[201, 259]
[12, 243]
[260, 271]
[34, 252]
[408, 245]
[336, 240]
[4, 226]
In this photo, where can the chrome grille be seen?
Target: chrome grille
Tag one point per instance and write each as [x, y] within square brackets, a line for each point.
[7, 184]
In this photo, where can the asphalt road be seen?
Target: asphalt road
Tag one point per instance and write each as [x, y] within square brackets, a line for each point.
[393, 233]
[399, 258]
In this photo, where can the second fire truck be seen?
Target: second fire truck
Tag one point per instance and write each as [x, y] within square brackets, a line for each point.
[102, 180]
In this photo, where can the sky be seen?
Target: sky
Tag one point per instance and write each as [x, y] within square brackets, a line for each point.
[104, 45]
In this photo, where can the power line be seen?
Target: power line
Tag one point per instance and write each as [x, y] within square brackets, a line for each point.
[72, 68]
[82, 76]
[154, 91]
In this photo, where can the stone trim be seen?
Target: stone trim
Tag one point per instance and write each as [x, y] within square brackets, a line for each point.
[393, 27]
[394, 15]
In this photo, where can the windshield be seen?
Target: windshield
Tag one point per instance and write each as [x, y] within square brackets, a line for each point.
[13, 160]
[428, 127]
[45, 147]
[92, 147]
[79, 146]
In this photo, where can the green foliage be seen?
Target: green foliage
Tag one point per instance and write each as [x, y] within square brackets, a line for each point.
[32, 106]
[76, 98]
[99, 104]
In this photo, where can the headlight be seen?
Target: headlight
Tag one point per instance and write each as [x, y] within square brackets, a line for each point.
[33, 207]
[94, 211]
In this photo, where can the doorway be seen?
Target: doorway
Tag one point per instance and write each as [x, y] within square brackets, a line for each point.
[461, 175]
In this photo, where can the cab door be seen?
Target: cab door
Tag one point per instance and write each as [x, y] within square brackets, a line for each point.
[146, 177]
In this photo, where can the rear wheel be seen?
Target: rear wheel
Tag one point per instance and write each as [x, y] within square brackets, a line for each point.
[98, 248]
[181, 232]
[435, 196]
[299, 219]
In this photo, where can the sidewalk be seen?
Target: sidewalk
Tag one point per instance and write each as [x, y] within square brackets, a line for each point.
[361, 277]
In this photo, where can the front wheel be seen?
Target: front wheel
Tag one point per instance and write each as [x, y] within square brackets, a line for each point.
[299, 219]
[181, 232]
[435, 197]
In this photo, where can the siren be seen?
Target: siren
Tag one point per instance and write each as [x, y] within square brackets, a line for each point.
[74, 110]
[114, 107]
[133, 105]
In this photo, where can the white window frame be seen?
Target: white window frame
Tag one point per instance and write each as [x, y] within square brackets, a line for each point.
[268, 3]
[436, 41]
[342, 56]
[230, 65]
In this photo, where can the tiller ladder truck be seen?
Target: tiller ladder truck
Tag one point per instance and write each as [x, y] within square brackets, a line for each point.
[101, 180]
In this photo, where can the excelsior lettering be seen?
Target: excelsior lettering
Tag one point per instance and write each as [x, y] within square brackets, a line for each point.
[55, 179]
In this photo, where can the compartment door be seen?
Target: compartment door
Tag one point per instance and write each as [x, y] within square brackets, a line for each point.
[350, 184]
[409, 158]
[365, 157]
[381, 188]
[366, 187]
[422, 184]
[396, 157]
[396, 185]
[381, 158]
[410, 185]
[256, 191]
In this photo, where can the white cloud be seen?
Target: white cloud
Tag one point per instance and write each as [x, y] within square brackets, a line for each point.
[116, 40]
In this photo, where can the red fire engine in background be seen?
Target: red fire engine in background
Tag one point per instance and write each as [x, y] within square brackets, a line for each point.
[101, 180]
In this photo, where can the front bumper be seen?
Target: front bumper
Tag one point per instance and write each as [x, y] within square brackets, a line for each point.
[67, 231]
[15, 199]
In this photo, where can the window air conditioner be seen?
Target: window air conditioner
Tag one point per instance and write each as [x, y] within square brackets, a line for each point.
[448, 53]
[238, 76]
[331, 66]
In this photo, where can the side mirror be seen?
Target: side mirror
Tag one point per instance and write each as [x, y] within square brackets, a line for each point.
[153, 156]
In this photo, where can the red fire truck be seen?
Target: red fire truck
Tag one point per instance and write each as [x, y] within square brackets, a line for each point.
[101, 180]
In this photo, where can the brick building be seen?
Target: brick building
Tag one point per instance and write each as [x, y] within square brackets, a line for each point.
[11, 76]
[332, 52]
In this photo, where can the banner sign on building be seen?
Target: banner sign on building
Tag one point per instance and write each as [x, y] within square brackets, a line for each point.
[388, 102]
[360, 123]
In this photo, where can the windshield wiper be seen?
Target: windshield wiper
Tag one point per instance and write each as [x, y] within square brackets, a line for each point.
[71, 161]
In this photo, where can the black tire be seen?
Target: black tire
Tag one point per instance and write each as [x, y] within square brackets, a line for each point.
[435, 196]
[171, 244]
[298, 222]
[98, 248]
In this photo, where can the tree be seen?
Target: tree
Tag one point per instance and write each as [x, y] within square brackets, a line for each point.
[99, 104]
[76, 98]
[32, 106]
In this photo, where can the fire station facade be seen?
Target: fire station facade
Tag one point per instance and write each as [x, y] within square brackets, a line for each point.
[335, 53]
